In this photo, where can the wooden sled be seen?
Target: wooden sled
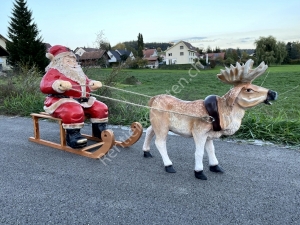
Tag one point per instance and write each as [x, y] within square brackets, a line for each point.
[94, 151]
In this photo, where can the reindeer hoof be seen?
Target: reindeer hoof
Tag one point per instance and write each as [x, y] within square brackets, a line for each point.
[147, 155]
[200, 175]
[170, 169]
[216, 169]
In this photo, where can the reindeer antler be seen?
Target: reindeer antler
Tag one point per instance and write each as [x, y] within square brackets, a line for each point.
[241, 73]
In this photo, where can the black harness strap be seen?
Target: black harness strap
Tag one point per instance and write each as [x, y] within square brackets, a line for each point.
[211, 106]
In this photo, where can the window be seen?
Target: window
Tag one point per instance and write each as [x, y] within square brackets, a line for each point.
[181, 53]
[170, 54]
[181, 47]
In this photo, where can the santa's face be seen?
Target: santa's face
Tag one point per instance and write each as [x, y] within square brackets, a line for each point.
[70, 61]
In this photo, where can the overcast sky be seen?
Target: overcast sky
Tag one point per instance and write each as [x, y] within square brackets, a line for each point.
[75, 23]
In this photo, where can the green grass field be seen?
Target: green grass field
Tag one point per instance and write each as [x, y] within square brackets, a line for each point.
[192, 85]
[279, 122]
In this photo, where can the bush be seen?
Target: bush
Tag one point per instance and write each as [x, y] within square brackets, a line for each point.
[203, 62]
[212, 64]
[131, 80]
[294, 61]
[20, 93]
[229, 61]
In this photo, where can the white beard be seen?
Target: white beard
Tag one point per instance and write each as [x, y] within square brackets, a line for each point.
[73, 73]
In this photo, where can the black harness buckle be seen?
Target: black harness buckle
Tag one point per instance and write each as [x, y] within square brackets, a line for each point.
[83, 99]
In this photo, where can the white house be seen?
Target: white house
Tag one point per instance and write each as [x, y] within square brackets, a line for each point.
[3, 54]
[181, 53]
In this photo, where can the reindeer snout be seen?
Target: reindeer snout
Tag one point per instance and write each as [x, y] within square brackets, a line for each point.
[272, 95]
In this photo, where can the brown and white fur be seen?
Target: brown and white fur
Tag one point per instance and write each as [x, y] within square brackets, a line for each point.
[189, 119]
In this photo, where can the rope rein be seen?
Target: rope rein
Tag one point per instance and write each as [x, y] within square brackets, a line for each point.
[207, 118]
[131, 92]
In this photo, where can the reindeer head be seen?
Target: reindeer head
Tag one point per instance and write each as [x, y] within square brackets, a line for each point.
[244, 93]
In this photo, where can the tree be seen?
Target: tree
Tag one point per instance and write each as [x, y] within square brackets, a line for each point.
[244, 57]
[140, 43]
[101, 41]
[217, 50]
[281, 52]
[239, 54]
[26, 46]
[269, 50]
[209, 50]
[119, 46]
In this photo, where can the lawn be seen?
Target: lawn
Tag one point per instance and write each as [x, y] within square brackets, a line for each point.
[279, 122]
[192, 85]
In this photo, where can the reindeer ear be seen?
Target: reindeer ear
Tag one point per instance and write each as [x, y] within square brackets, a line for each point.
[232, 94]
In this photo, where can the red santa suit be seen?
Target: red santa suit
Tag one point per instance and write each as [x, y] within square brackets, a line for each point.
[73, 104]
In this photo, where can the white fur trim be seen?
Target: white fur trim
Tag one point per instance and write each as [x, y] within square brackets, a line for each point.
[50, 56]
[56, 85]
[73, 125]
[97, 120]
[89, 103]
[55, 105]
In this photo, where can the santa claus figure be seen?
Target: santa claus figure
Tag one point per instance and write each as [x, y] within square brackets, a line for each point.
[68, 90]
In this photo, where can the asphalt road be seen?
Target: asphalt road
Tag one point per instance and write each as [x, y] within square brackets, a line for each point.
[42, 185]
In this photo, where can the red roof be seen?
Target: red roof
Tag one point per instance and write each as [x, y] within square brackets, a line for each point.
[92, 55]
[148, 52]
[216, 55]
[152, 58]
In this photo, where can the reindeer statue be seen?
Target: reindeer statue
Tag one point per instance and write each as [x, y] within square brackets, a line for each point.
[190, 118]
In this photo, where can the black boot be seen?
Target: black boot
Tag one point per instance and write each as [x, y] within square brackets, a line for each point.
[98, 128]
[74, 138]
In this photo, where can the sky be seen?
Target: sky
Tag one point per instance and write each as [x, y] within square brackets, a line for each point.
[214, 23]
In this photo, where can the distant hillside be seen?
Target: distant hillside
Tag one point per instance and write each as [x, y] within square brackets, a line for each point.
[133, 44]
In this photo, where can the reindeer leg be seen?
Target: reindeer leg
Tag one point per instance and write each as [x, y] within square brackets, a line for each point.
[146, 147]
[199, 142]
[161, 144]
[213, 162]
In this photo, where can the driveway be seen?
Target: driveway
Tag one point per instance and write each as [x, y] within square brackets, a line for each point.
[42, 185]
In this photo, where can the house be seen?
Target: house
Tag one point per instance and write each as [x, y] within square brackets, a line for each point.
[126, 53]
[80, 50]
[116, 56]
[214, 56]
[152, 57]
[181, 53]
[3, 54]
[94, 58]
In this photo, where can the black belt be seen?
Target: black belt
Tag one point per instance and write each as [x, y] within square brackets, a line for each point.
[80, 100]
[211, 106]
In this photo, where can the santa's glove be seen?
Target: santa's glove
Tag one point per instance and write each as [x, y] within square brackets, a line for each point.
[61, 86]
[94, 85]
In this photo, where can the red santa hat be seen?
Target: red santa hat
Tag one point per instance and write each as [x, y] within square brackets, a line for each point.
[58, 51]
